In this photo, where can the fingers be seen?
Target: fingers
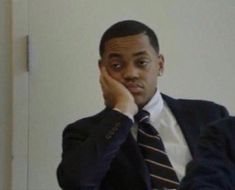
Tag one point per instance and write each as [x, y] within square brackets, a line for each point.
[106, 86]
[104, 78]
[107, 81]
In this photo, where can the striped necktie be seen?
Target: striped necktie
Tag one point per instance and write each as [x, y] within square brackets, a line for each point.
[161, 171]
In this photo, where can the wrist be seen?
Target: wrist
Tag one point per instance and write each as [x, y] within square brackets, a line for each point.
[129, 109]
[126, 114]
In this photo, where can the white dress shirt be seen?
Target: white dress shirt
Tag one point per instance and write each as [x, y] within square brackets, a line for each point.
[169, 130]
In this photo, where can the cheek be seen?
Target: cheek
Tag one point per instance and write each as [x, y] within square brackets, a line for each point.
[150, 85]
[151, 79]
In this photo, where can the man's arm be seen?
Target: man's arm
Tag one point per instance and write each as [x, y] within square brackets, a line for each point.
[89, 147]
[214, 165]
[87, 156]
[116, 96]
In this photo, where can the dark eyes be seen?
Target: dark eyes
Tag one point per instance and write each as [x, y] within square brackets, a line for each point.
[142, 62]
[117, 65]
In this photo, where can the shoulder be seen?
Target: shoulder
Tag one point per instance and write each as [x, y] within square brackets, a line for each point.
[86, 125]
[214, 163]
[229, 122]
[200, 105]
[187, 101]
[223, 127]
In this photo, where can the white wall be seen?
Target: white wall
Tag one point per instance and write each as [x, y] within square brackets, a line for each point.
[196, 37]
[5, 96]
[198, 41]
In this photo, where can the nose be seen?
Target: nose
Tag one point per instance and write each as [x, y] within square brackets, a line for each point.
[130, 72]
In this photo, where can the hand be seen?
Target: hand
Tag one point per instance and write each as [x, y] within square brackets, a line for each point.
[116, 95]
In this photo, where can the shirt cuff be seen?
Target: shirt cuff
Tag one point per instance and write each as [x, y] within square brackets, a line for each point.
[126, 114]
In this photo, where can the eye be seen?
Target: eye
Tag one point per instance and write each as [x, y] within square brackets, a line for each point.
[115, 65]
[142, 62]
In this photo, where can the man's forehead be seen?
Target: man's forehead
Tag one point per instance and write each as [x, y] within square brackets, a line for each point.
[135, 44]
[128, 40]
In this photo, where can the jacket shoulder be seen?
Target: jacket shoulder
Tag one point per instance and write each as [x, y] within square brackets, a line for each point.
[82, 126]
[193, 102]
[195, 107]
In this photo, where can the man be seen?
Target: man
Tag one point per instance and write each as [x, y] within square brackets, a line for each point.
[213, 167]
[103, 151]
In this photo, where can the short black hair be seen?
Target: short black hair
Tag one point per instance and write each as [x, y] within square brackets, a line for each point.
[127, 28]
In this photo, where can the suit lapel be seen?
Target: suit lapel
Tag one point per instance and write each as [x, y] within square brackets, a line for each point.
[185, 121]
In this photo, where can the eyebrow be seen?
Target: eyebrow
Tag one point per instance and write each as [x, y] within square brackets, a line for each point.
[117, 55]
[140, 53]
[114, 55]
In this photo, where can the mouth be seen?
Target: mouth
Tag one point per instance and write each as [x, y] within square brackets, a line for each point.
[134, 88]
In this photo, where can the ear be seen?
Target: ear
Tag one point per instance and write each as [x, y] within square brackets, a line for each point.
[161, 64]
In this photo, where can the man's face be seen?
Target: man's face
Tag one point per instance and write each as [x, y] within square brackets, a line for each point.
[132, 61]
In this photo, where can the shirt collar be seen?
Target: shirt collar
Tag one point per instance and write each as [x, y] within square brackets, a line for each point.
[154, 106]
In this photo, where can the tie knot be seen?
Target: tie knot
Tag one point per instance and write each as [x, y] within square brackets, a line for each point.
[142, 116]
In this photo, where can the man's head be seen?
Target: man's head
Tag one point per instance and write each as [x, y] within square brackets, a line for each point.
[128, 28]
[130, 52]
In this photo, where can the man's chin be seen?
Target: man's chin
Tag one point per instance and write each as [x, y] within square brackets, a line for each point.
[139, 100]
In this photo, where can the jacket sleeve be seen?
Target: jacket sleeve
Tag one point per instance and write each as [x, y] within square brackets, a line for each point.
[89, 148]
[214, 165]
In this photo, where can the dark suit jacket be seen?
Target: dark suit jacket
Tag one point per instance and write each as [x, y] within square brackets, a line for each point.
[213, 167]
[99, 152]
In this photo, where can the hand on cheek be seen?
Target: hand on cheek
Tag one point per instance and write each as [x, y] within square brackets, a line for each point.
[115, 94]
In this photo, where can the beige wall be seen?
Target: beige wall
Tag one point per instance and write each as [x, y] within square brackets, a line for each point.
[171, 21]
[5, 96]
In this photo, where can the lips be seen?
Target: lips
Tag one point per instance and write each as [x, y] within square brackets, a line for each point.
[134, 88]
